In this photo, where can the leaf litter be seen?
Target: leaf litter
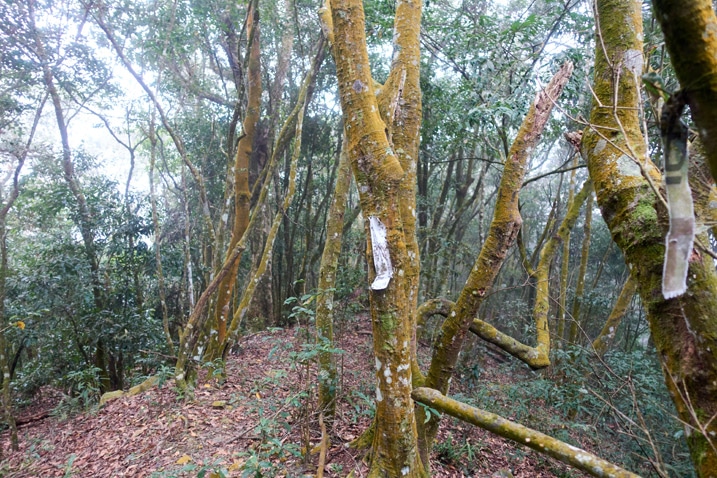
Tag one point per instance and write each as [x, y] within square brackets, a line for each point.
[260, 418]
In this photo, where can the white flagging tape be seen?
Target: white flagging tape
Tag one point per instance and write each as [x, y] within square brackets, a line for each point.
[381, 257]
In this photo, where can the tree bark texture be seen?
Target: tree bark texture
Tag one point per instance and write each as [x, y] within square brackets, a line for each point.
[242, 193]
[575, 324]
[564, 269]
[684, 329]
[379, 176]
[327, 283]
[539, 356]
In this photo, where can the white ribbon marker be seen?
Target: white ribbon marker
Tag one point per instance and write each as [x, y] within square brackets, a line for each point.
[381, 257]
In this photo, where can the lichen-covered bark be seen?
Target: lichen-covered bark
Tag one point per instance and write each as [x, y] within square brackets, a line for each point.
[253, 281]
[400, 104]
[379, 174]
[501, 236]
[690, 29]
[684, 329]
[607, 334]
[240, 311]
[704, 191]
[564, 268]
[242, 194]
[539, 442]
[197, 320]
[327, 283]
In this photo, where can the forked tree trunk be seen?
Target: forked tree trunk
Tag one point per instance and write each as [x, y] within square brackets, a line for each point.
[379, 178]
[501, 236]
[242, 194]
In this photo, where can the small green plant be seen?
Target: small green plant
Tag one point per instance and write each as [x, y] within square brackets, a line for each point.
[68, 466]
[212, 470]
[83, 392]
[266, 460]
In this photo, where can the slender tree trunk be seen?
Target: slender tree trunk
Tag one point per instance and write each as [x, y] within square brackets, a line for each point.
[564, 269]
[501, 236]
[575, 324]
[158, 239]
[242, 193]
[603, 341]
[84, 217]
[327, 283]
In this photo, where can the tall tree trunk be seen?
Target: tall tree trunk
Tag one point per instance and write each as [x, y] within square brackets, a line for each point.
[242, 193]
[327, 283]
[380, 178]
[575, 325]
[684, 329]
[158, 238]
[564, 269]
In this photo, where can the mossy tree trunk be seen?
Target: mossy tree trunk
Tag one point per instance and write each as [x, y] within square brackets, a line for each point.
[327, 283]
[189, 338]
[603, 341]
[684, 329]
[575, 325]
[501, 236]
[539, 442]
[564, 270]
[380, 176]
[242, 194]
[537, 357]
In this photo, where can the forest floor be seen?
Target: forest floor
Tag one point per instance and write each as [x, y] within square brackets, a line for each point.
[260, 422]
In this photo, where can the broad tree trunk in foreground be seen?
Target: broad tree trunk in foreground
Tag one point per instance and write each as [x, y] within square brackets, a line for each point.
[379, 177]
[684, 329]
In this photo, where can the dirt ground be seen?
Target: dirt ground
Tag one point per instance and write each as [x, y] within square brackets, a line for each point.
[259, 421]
